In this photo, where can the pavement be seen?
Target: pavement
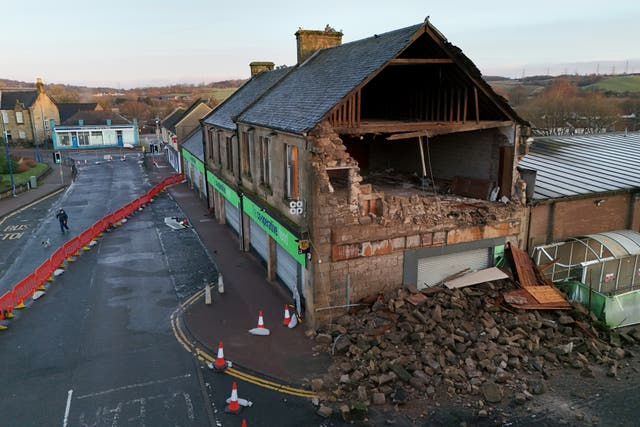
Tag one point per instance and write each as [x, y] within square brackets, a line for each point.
[51, 183]
[284, 357]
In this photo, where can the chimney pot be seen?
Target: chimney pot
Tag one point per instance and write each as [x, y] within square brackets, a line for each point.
[310, 41]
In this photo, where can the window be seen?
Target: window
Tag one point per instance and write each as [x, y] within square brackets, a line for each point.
[96, 138]
[246, 155]
[5, 117]
[19, 118]
[64, 139]
[265, 157]
[229, 151]
[219, 148]
[291, 172]
[22, 134]
[83, 138]
[210, 136]
[8, 135]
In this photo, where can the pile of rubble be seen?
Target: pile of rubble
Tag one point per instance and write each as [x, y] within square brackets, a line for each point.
[458, 344]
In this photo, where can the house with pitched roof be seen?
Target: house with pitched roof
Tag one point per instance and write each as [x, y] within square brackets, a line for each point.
[369, 165]
[27, 113]
[193, 158]
[95, 129]
[68, 109]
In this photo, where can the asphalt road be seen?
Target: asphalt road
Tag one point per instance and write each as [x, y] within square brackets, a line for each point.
[98, 348]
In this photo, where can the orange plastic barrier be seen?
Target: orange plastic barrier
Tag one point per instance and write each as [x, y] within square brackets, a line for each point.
[57, 258]
[43, 272]
[24, 289]
[6, 304]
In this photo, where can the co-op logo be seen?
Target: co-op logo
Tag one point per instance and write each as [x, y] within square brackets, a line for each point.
[295, 207]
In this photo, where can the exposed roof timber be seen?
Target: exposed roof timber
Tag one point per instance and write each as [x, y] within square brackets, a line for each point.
[439, 129]
[420, 61]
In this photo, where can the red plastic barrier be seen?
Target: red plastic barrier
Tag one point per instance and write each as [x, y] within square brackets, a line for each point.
[85, 237]
[71, 247]
[57, 258]
[24, 289]
[6, 304]
[43, 272]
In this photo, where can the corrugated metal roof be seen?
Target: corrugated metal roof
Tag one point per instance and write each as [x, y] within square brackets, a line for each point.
[584, 164]
[193, 144]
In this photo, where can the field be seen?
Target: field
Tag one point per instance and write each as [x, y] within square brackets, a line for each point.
[617, 84]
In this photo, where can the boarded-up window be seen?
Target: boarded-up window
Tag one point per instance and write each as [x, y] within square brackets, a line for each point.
[291, 172]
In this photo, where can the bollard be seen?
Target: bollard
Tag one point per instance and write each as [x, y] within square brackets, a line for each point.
[220, 284]
[207, 294]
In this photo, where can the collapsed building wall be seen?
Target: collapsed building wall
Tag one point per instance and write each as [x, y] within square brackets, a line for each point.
[361, 235]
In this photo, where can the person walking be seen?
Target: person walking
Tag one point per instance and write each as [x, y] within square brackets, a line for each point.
[62, 217]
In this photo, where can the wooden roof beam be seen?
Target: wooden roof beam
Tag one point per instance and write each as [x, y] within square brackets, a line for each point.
[445, 129]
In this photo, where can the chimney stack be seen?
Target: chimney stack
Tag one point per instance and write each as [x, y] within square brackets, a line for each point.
[39, 85]
[309, 41]
[258, 67]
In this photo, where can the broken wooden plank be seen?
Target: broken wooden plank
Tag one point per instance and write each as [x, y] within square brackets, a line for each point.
[474, 278]
[546, 294]
[416, 299]
[523, 266]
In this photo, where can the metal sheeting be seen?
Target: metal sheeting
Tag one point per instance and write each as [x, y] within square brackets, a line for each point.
[433, 270]
[258, 239]
[584, 164]
[232, 215]
[287, 269]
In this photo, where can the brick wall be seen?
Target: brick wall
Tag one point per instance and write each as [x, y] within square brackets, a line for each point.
[561, 219]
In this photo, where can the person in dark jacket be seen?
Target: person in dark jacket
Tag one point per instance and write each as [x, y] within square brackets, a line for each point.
[62, 217]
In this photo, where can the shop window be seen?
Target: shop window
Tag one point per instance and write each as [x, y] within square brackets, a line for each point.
[83, 138]
[64, 139]
[96, 138]
[291, 172]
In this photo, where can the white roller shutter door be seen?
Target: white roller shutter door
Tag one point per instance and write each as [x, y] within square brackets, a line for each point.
[232, 215]
[433, 270]
[287, 268]
[258, 239]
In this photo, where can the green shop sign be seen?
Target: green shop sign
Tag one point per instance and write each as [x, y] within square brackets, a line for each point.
[193, 159]
[226, 191]
[276, 230]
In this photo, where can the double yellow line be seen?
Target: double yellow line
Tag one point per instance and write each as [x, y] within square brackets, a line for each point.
[202, 355]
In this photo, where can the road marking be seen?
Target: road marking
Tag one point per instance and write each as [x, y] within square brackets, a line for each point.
[234, 372]
[132, 386]
[68, 408]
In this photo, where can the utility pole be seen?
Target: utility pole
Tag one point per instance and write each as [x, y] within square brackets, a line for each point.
[6, 146]
[35, 136]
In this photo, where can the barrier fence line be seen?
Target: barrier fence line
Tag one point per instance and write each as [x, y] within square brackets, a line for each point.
[25, 288]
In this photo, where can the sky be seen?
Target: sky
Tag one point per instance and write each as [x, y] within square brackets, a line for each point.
[135, 43]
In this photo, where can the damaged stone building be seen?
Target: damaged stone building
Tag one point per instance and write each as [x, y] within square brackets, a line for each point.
[368, 165]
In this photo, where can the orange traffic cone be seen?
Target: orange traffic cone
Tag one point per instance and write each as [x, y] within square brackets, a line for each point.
[244, 423]
[220, 364]
[233, 406]
[287, 316]
[260, 321]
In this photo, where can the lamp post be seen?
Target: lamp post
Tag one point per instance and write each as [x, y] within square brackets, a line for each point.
[6, 146]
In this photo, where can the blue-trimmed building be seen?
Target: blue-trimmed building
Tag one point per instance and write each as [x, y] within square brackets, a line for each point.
[95, 129]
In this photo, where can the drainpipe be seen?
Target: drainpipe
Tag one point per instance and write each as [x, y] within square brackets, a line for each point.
[240, 195]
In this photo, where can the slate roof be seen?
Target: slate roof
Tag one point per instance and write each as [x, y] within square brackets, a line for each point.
[172, 119]
[584, 164]
[68, 109]
[303, 98]
[9, 98]
[190, 109]
[193, 144]
[222, 115]
[93, 118]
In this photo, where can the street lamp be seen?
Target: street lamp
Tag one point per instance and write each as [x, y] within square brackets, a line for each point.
[6, 146]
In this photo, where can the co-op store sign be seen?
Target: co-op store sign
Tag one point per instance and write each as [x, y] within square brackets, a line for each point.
[277, 231]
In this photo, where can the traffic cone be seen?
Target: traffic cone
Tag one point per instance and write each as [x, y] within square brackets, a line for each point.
[260, 321]
[260, 329]
[220, 364]
[287, 316]
[233, 406]
[244, 423]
